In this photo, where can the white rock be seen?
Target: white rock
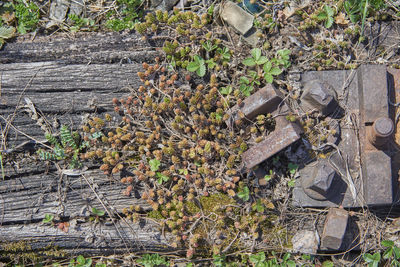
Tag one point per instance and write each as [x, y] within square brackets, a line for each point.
[305, 241]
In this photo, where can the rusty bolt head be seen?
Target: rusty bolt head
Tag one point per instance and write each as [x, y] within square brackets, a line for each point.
[381, 131]
[319, 95]
[320, 183]
[323, 179]
[383, 127]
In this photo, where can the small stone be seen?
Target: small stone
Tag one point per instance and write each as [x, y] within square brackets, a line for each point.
[305, 241]
[236, 17]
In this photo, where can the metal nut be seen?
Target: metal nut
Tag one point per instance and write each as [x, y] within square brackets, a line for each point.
[381, 131]
[319, 95]
[319, 184]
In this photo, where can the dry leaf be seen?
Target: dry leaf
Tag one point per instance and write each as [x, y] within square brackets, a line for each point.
[8, 17]
[341, 19]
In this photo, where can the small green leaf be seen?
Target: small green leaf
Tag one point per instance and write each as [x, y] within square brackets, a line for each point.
[267, 66]
[97, 212]
[268, 78]
[292, 183]
[327, 264]
[226, 90]
[244, 80]
[249, 62]
[275, 71]
[388, 253]
[161, 178]
[244, 194]
[202, 70]
[48, 218]
[261, 60]
[192, 66]
[80, 260]
[154, 164]
[6, 32]
[329, 22]
[387, 243]
[256, 53]
[292, 168]
[329, 11]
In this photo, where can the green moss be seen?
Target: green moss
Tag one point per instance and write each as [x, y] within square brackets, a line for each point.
[155, 214]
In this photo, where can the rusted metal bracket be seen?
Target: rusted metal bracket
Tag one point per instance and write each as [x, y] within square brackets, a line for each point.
[358, 170]
[266, 100]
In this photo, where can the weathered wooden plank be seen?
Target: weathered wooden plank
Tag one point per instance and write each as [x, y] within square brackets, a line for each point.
[85, 237]
[79, 48]
[30, 197]
[68, 78]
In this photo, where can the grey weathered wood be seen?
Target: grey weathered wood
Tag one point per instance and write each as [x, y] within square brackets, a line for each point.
[79, 48]
[68, 78]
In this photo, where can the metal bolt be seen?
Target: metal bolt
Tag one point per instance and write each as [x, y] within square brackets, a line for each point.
[319, 95]
[381, 131]
[319, 184]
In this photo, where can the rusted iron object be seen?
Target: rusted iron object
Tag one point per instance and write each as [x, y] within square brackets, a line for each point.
[334, 229]
[319, 95]
[320, 184]
[367, 181]
[264, 101]
[273, 143]
[380, 132]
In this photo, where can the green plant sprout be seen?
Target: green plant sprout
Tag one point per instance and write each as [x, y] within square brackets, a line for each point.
[270, 72]
[391, 252]
[97, 212]
[255, 59]
[6, 33]
[258, 206]
[80, 262]
[48, 218]
[197, 65]
[68, 147]
[244, 193]
[27, 14]
[151, 260]
[268, 177]
[360, 9]
[372, 260]
[79, 22]
[326, 14]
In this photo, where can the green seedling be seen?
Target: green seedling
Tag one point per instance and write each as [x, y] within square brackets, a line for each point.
[244, 193]
[226, 90]
[154, 164]
[151, 260]
[255, 59]
[258, 259]
[27, 14]
[6, 32]
[80, 262]
[48, 218]
[372, 260]
[68, 146]
[79, 22]
[97, 212]
[268, 177]
[197, 65]
[209, 46]
[282, 58]
[258, 206]
[161, 178]
[219, 260]
[326, 14]
[391, 252]
[270, 72]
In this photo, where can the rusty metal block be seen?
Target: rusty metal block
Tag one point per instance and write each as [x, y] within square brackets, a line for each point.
[364, 164]
[334, 229]
[273, 143]
[266, 100]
